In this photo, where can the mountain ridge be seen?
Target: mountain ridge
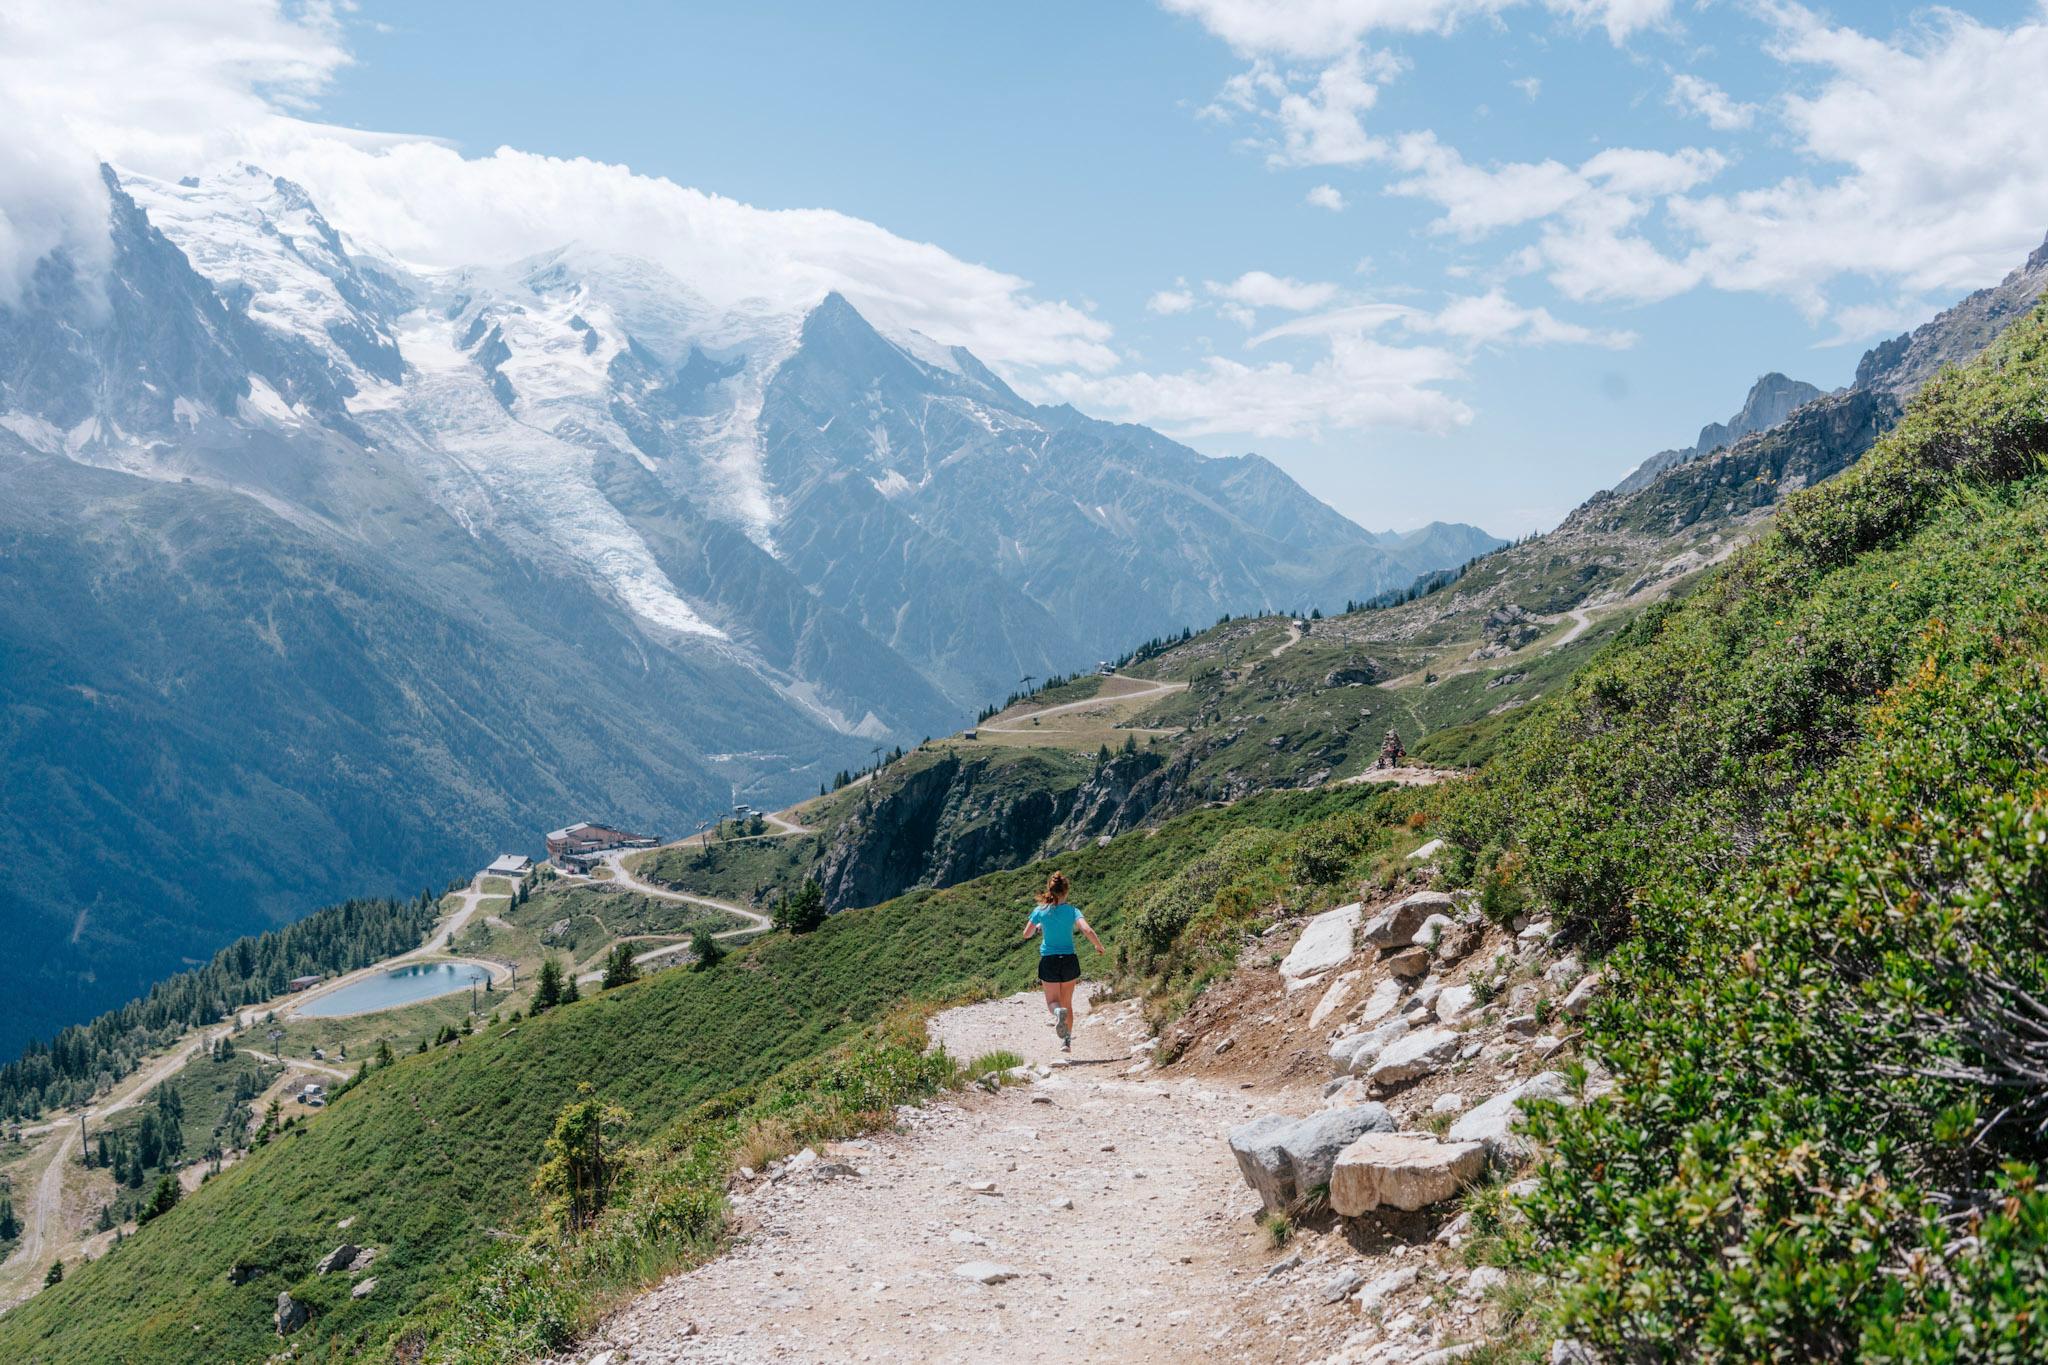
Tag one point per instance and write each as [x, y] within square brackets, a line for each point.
[560, 471]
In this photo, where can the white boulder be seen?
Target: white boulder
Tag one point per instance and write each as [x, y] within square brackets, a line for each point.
[1375, 1294]
[1398, 925]
[1401, 1170]
[1284, 1158]
[1453, 1001]
[1333, 998]
[1492, 1123]
[1413, 1056]
[1324, 942]
[1381, 1002]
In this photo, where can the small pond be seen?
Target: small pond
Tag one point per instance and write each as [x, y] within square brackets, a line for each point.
[400, 986]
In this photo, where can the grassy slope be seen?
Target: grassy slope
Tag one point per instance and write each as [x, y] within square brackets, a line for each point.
[434, 1153]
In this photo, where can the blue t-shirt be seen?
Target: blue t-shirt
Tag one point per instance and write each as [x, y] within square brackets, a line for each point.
[1056, 925]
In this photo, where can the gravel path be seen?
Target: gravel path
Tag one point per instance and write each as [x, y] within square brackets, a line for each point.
[1114, 1227]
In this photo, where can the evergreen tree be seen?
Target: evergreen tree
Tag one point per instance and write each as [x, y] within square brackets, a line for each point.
[384, 1057]
[619, 967]
[571, 992]
[10, 1226]
[55, 1275]
[705, 947]
[547, 991]
[802, 910]
[162, 1200]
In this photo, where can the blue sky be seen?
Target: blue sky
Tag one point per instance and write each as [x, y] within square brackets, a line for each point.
[1548, 237]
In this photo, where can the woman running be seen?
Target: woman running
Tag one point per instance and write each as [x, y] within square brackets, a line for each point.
[1059, 966]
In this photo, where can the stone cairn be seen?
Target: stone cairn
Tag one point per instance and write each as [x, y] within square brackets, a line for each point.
[1391, 752]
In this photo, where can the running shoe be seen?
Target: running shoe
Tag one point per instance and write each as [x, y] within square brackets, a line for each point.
[1060, 1024]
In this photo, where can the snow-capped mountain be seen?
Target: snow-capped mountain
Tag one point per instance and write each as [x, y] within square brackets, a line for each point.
[391, 566]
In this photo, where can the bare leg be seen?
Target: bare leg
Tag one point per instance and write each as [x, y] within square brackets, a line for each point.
[1052, 996]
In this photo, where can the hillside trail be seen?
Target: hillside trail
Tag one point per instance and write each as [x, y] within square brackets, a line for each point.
[1095, 1214]
[1146, 690]
[20, 1273]
[621, 876]
[1582, 621]
[1294, 637]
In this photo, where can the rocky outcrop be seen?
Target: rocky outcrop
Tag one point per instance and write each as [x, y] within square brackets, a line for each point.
[1116, 797]
[947, 822]
[341, 1258]
[1401, 923]
[1771, 400]
[1903, 364]
[290, 1316]
[1284, 1158]
[1505, 630]
[1414, 1056]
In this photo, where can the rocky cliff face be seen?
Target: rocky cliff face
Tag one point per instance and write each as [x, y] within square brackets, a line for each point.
[1900, 366]
[1771, 399]
[948, 820]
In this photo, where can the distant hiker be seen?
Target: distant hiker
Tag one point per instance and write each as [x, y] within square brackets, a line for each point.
[1059, 966]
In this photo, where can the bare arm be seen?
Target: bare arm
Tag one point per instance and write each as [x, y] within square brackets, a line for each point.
[1030, 928]
[1081, 923]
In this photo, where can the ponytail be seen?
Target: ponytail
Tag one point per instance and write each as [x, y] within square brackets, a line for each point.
[1055, 892]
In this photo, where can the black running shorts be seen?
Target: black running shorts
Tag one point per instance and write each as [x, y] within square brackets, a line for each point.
[1059, 967]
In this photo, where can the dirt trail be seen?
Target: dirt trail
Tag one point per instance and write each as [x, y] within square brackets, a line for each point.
[756, 921]
[1582, 621]
[1144, 691]
[1149, 1263]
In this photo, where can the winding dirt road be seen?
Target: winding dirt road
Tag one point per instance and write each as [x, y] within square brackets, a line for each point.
[756, 922]
[1147, 690]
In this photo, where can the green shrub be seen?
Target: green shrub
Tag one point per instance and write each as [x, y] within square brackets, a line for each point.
[1809, 807]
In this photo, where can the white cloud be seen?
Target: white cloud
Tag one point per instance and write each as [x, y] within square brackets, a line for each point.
[1322, 123]
[1493, 319]
[1259, 289]
[152, 83]
[1326, 197]
[1530, 86]
[1170, 301]
[169, 87]
[1358, 385]
[1476, 320]
[1360, 378]
[1703, 98]
[1621, 19]
[1590, 214]
[1938, 138]
[1322, 29]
